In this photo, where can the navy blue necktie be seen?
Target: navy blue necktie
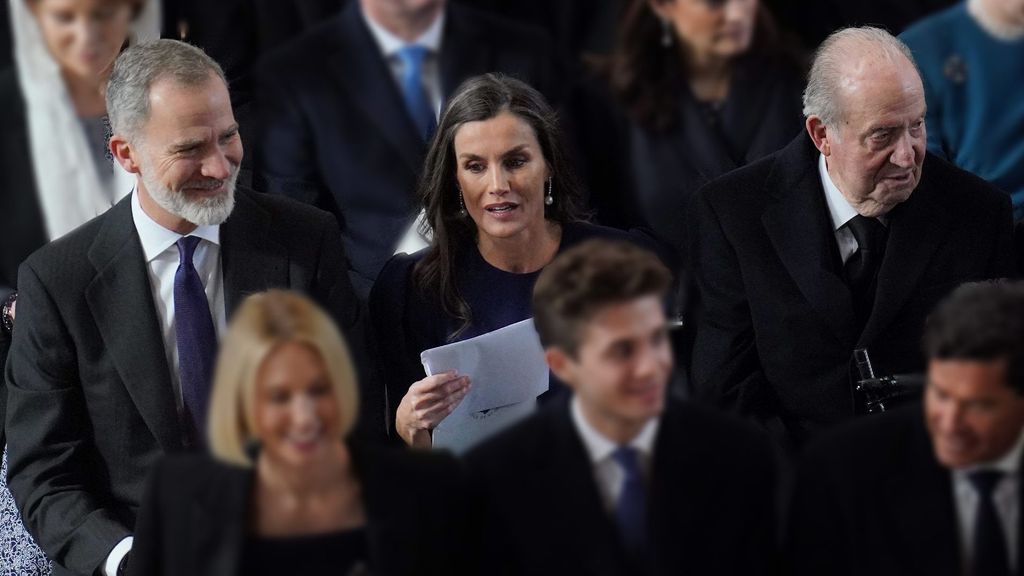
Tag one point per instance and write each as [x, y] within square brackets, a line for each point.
[196, 339]
[417, 101]
[990, 557]
[631, 509]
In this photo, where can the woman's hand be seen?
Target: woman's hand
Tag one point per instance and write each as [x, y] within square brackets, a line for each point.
[427, 403]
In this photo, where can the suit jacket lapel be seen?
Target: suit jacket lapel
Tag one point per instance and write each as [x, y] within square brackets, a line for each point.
[219, 518]
[573, 489]
[251, 260]
[916, 229]
[678, 501]
[798, 225]
[924, 517]
[136, 347]
[361, 71]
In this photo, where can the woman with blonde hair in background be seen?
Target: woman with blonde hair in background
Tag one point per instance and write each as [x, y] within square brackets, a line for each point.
[56, 171]
[285, 492]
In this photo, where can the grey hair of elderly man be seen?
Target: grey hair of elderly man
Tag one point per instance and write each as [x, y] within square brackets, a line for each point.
[824, 79]
[140, 66]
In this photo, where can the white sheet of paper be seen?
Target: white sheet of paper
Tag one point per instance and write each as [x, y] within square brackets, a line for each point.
[508, 372]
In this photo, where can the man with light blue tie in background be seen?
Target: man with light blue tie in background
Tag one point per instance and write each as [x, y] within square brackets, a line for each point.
[346, 110]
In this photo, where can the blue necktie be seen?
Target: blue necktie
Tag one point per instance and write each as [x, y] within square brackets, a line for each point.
[196, 339]
[417, 101]
[990, 557]
[631, 509]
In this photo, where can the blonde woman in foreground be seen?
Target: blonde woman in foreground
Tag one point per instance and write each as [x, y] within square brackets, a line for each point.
[285, 492]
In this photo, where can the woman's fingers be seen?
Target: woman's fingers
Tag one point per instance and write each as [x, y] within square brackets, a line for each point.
[427, 400]
[432, 417]
[433, 383]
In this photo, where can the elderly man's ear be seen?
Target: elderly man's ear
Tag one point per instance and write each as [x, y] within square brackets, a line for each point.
[819, 134]
[124, 153]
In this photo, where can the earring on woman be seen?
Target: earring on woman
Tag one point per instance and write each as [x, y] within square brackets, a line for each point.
[549, 199]
[462, 206]
[666, 33]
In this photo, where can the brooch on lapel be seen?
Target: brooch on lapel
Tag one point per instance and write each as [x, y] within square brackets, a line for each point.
[955, 69]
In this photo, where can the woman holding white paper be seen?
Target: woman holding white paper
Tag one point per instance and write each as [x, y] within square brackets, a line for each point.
[501, 201]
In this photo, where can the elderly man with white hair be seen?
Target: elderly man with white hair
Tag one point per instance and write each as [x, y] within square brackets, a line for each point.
[844, 239]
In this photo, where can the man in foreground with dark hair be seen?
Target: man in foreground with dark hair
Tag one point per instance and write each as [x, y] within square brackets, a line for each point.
[614, 481]
[902, 494]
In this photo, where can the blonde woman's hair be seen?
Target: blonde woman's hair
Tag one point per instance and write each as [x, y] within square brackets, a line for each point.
[261, 324]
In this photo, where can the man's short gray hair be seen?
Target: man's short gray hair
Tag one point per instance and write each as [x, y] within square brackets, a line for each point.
[140, 66]
[831, 62]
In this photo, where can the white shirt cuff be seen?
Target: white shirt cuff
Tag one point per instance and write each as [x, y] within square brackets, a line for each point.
[115, 556]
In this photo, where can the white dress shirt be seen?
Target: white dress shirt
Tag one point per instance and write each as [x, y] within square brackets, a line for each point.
[390, 44]
[1005, 496]
[607, 473]
[841, 212]
[159, 247]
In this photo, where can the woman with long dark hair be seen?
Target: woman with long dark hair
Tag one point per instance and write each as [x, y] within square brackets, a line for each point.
[500, 201]
[698, 88]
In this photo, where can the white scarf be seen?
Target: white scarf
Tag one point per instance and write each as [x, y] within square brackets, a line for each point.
[67, 182]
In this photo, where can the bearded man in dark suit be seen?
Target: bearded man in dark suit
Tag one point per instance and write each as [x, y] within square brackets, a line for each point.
[117, 321]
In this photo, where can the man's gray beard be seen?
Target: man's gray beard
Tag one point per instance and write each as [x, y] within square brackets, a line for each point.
[201, 212]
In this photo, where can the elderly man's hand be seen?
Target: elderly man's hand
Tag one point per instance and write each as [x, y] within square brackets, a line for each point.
[427, 403]
[8, 306]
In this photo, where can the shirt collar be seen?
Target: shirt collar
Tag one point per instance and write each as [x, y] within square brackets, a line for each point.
[838, 207]
[600, 448]
[156, 239]
[390, 44]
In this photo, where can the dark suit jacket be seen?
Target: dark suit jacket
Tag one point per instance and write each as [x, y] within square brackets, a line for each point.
[711, 503]
[196, 515]
[335, 132]
[91, 407]
[21, 214]
[578, 26]
[278, 22]
[872, 500]
[777, 330]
